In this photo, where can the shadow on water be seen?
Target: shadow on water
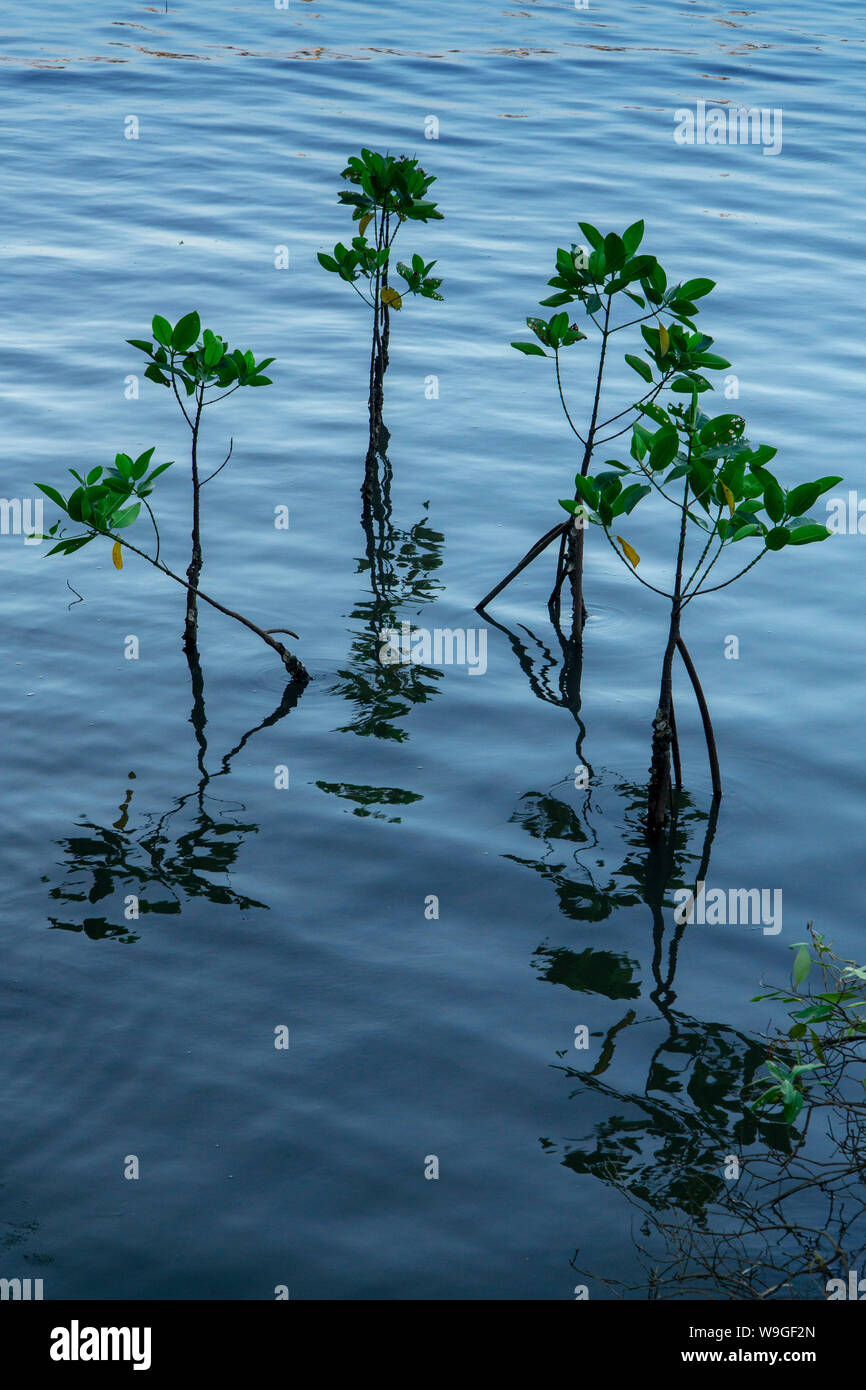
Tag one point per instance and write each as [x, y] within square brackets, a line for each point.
[154, 862]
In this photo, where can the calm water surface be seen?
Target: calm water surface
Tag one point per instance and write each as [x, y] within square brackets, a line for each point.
[305, 907]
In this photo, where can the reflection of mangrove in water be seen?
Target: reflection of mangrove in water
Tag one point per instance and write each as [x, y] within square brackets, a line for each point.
[556, 680]
[729, 1203]
[660, 1136]
[364, 798]
[146, 863]
[399, 566]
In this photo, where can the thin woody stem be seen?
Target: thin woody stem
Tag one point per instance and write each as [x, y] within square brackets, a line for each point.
[292, 664]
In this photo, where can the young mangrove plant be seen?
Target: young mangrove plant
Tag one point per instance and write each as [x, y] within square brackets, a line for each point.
[725, 495]
[826, 1033]
[106, 502]
[202, 364]
[601, 278]
[387, 191]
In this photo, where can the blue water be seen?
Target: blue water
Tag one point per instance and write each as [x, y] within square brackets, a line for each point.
[410, 1037]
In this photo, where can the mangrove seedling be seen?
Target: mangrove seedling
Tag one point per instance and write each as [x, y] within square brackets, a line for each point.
[202, 364]
[387, 191]
[106, 502]
[726, 495]
[601, 277]
[828, 1025]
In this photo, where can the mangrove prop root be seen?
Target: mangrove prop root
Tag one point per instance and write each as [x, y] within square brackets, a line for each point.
[705, 718]
[528, 558]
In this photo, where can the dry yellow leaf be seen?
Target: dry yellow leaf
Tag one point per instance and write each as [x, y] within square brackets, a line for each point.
[365, 222]
[664, 340]
[117, 555]
[729, 498]
[392, 298]
[629, 552]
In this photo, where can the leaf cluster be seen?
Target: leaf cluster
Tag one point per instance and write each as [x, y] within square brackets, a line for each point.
[197, 360]
[102, 501]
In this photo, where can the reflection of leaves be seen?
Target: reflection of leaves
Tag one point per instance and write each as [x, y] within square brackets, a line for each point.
[667, 1146]
[593, 892]
[382, 694]
[589, 971]
[401, 566]
[582, 902]
[662, 1139]
[547, 818]
[158, 870]
[365, 797]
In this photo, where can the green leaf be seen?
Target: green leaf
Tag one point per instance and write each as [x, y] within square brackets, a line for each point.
[186, 332]
[710, 359]
[802, 966]
[531, 349]
[154, 374]
[70, 545]
[774, 499]
[632, 237]
[328, 262]
[793, 1106]
[141, 345]
[614, 252]
[778, 538]
[593, 235]
[586, 490]
[724, 429]
[801, 498]
[126, 517]
[664, 448]
[629, 498]
[805, 535]
[156, 471]
[695, 289]
[756, 458]
[213, 352]
[161, 330]
[655, 413]
[639, 365]
[54, 496]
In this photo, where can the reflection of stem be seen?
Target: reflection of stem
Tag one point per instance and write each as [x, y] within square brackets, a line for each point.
[197, 717]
